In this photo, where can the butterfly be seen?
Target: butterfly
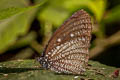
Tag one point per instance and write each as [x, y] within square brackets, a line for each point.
[68, 49]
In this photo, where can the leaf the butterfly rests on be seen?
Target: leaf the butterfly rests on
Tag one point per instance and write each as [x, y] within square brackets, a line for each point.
[67, 50]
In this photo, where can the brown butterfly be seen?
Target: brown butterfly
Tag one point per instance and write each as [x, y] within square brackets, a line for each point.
[68, 49]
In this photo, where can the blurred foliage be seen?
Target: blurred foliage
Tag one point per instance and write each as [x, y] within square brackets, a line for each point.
[28, 24]
[58, 11]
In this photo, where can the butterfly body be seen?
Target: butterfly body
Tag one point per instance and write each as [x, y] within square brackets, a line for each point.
[67, 50]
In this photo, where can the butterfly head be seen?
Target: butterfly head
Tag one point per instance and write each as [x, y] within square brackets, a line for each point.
[43, 61]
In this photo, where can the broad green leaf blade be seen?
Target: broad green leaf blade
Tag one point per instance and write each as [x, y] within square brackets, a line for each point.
[8, 12]
[12, 27]
[4, 4]
[15, 22]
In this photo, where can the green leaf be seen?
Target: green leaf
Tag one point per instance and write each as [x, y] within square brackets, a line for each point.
[28, 70]
[4, 4]
[15, 22]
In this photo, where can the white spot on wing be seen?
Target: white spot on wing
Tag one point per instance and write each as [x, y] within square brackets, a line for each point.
[59, 40]
[72, 35]
[46, 55]
[49, 52]
[58, 47]
[83, 38]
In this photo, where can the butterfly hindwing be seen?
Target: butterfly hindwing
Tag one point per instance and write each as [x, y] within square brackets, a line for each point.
[67, 50]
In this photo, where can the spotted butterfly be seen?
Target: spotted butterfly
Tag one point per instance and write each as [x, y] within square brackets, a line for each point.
[68, 49]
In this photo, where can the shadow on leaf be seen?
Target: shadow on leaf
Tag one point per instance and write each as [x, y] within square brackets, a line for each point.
[16, 70]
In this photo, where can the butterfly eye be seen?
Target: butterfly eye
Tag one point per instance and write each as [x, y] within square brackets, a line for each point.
[67, 50]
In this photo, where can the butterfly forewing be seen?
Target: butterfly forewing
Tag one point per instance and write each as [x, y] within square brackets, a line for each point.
[67, 50]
